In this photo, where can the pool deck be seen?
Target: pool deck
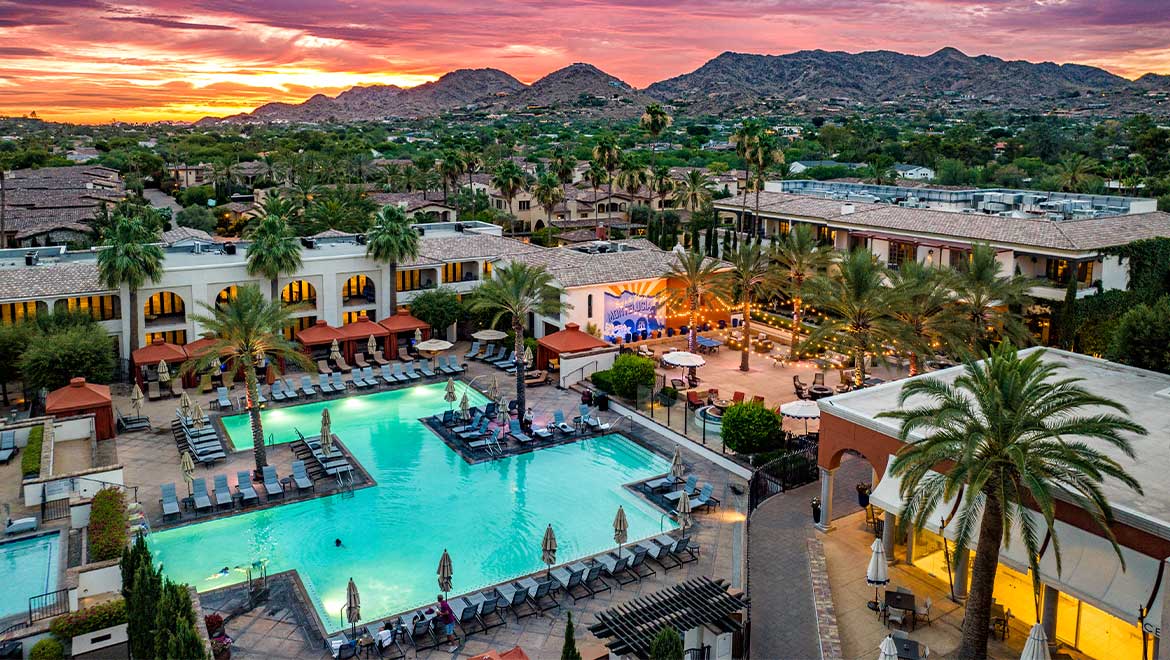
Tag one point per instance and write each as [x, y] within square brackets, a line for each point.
[279, 629]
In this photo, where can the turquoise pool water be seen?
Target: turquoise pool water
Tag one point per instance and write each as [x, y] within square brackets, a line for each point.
[491, 516]
[28, 568]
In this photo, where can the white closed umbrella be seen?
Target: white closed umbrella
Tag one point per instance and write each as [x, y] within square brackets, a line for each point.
[353, 605]
[490, 335]
[877, 574]
[445, 572]
[449, 394]
[527, 356]
[335, 351]
[465, 407]
[136, 399]
[418, 335]
[620, 528]
[684, 359]
[548, 548]
[216, 365]
[1036, 647]
[164, 372]
[372, 345]
[684, 512]
[888, 650]
[326, 432]
[187, 464]
[197, 415]
[676, 464]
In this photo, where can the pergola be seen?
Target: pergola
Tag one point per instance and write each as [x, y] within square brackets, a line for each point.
[569, 340]
[356, 334]
[81, 398]
[318, 334]
[150, 356]
[698, 602]
[405, 325]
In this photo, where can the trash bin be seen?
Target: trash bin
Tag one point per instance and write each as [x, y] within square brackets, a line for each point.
[601, 401]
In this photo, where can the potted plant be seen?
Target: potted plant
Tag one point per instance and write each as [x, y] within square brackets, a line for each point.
[221, 648]
[863, 490]
[816, 509]
[214, 623]
[668, 396]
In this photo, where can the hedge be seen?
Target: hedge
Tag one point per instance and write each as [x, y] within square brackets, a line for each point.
[90, 619]
[603, 380]
[107, 525]
[631, 373]
[749, 428]
[30, 458]
[47, 649]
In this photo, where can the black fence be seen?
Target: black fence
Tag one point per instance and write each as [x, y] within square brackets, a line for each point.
[47, 606]
[791, 470]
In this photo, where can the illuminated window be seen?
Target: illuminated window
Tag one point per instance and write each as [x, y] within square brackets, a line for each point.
[358, 289]
[353, 317]
[12, 313]
[960, 258]
[226, 295]
[299, 292]
[453, 272]
[1058, 270]
[164, 307]
[487, 269]
[298, 324]
[99, 308]
[900, 253]
[178, 337]
[409, 280]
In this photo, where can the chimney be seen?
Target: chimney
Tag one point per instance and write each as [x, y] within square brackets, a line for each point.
[847, 209]
[602, 233]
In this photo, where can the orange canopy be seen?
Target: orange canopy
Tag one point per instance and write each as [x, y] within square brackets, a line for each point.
[319, 333]
[402, 323]
[516, 653]
[571, 340]
[80, 397]
[362, 329]
[200, 347]
[159, 350]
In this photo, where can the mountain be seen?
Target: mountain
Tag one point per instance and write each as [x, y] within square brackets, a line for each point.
[739, 82]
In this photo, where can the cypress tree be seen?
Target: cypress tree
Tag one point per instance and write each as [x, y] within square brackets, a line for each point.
[694, 237]
[141, 607]
[711, 247]
[184, 642]
[569, 650]
[174, 608]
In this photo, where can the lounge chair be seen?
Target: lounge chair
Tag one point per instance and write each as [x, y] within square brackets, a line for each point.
[466, 614]
[505, 363]
[689, 487]
[663, 483]
[542, 432]
[133, 423]
[512, 597]
[170, 503]
[152, 391]
[678, 384]
[421, 628]
[245, 489]
[386, 638]
[799, 388]
[636, 561]
[379, 359]
[223, 400]
[7, 446]
[307, 387]
[488, 440]
[561, 424]
[199, 492]
[480, 430]
[342, 648]
[474, 423]
[223, 494]
[359, 360]
[410, 372]
[591, 580]
[538, 377]
[290, 389]
[20, 525]
[387, 376]
[538, 592]
[515, 431]
[704, 499]
[323, 367]
[570, 578]
[616, 568]
[489, 354]
[424, 367]
[339, 383]
[757, 400]
[442, 367]
[401, 375]
[370, 378]
[205, 383]
[819, 379]
[324, 384]
[680, 549]
[176, 387]
[342, 366]
[472, 352]
[277, 390]
[301, 477]
[453, 364]
[271, 484]
[487, 605]
[589, 420]
[660, 554]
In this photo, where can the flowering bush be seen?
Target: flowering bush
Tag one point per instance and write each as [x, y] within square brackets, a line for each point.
[89, 620]
[107, 525]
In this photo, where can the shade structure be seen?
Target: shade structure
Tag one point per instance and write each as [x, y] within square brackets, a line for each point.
[676, 464]
[155, 352]
[185, 404]
[353, 604]
[187, 464]
[548, 547]
[197, 415]
[684, 511]
[318, 334]
[360, 335]
[136, 399]
[621, 527]
[80, 398]
[877, 574]
[1036, 646]
[326, 432]
[465, 407]
[434, 345]
[684, 359]
[489, 335]
[569, 340]
[164, 371]
[801, 409]
[372, 345]
[445, 572]
[888, 649]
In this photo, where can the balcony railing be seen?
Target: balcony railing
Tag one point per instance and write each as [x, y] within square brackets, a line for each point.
[160, 320]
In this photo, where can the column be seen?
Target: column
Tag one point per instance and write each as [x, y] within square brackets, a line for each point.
[910, 544]
[888, 535]
[1048, 613]
[962, 563]
[826, 500]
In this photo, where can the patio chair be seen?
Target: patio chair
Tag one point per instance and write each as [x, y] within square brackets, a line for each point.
[453, 364]
[324, 384]
[616, 568]
[402, 375]
[922, 612]
[368, 376]
[693, 400]
[271, 483]
[539, 593]
[359, 360]
[307, 387]
[223, 494]
[466, 614]
[819, 379]
[799, 388]
[757, 400]
[660, 554]
[290, 389]
[515, 431]
[738, 397]
[704, 499]
[199, 492]
[170, 503]
[636, 558]
[681, 549]
[388, 375]
[489, 354]
[176, 387]
[663, 483]
[379, 359]
[323, 367]
[339, 383]
[512, 597]
[542, 432]
[487, 440]
[475, 418]
[560, 423]
[342, 648]
[568, 579]
[591, 580]
[589, 420]
[277, 391]
[505, 362]
[689, 487]
[471, 352]
[245, 489]
[386, 638]
[421, 628]
[896, 616]
[678, 384]
[342, 365]
[301, 477]
[424, 367]
[846, 383]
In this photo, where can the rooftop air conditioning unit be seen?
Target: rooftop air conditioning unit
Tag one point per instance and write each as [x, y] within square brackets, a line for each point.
[309, 243]
[360, 238]
[229, 248]
[31, 258]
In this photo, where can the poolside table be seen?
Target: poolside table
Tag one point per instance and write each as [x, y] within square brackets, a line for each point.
[900, 601]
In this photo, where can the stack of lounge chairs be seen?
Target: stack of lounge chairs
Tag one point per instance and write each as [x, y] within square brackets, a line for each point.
[8, 447]
[203, 443]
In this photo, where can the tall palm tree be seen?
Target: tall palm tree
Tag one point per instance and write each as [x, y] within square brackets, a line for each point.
[450, 168]
[1074, 172]
[699, 281]
[857, 304]
[390, 241]
[661, 184]
[596, 176]
[744, 138]
[274, 250]
[517, 290]
[751, 278]
[1015, 432]
[563, 165]
[930, 319]
[654, 120]
[608, 156]
[632, 176]
[694, 190]
[472, 161]
[509, 180]
[799, 257]
[764, 154]
[989, 299]
[548, 192]
[247, 331]
[129, 256]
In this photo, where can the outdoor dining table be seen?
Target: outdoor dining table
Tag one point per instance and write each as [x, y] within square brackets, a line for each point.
[908, 649]
[900, 601]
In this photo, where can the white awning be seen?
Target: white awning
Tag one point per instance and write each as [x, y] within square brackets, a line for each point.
[887, 495]
[1093, 573]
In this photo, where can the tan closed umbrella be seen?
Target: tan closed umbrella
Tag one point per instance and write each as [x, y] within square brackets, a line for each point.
[372, 345]
[187, 464]
[418, 335]
[185, 404]
[164, 372]
[676, 464]
[620, 528]
[465, 407]
[684, 512]
[527, 356]
[445, 573]
[136, 400]
[335, 351]
[197, 415]
[493, 391]
[326, 432]
[449, 394]
[548, 548]
[353, 605]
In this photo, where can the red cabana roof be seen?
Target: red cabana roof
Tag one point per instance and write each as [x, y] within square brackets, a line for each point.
[200, 347]
[319, 333]
[571, 340]
[159, 350]
[77, 395]
[362, 329]
[402, 323]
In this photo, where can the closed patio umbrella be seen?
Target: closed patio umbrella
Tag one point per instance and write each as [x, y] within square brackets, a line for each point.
[684, 512]
[548, 548]
[445, 573]
[877, 574]
[216, 365]
[197, 415]
[620, 528]
[164, 372]
[418, 336]
[185, 404]
[502, 416]
[372, 345]
[489, 335]
[449, 394]
[676, 464]
[527, 356]
[334, 351]
[353, 606]
[465, 407]
[888, 650]
[326, 433]
[493, 391]
[136, 399]
[187, 464]
[1036, 648]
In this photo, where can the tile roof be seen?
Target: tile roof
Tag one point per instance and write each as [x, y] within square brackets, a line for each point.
[575, 268]
[25, 283]
[438, 248]
[180, 233]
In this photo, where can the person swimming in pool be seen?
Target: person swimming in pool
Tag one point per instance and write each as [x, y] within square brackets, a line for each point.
[337, 543]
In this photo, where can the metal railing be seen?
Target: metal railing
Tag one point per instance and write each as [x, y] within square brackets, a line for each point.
[46, 606]
[791, 470]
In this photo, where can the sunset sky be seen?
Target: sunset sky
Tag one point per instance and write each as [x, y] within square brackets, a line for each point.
[95, 61]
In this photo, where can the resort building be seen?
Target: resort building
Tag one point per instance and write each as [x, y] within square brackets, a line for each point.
[1092, 603]
[54, 205]
[1049, 251]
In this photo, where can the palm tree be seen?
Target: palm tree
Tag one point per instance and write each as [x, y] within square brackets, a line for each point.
[563, 165]
[509, 179]
[694, 190]
[517, 290]
[548, 192]
[249, 330]
[274, 249]
[699, 281]
[987, 298]
[450, 168]
[472, 161]
[798, 258]
[1074, 172]
[608, 156]
[129, 256]
[661, 184]
[654, 120]
[857, 304]
[392, 240]
[926, 310]
[1015, 431]
[744, 138]
[596, 176]
[632, 176]
[764, 154]
[751, 278]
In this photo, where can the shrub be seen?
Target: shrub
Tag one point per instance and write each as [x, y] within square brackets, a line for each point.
[47, 649]
[603, 380]
[632, 373]
[30, 456]
[749, 428]
[90, 357]
[438, 308]
[107, 525]
[666, 645]
[90, 619]
[569, 649]
[1141, 337]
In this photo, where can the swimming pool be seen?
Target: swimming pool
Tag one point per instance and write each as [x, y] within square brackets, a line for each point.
[490, 516]
[28, 567]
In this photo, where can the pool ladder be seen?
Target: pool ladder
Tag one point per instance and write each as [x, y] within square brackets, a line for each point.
[345, 483]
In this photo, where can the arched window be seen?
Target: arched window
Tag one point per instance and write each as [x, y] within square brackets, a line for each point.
[358, 290]
[226, 295]
[298, 292]
[164, 308]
